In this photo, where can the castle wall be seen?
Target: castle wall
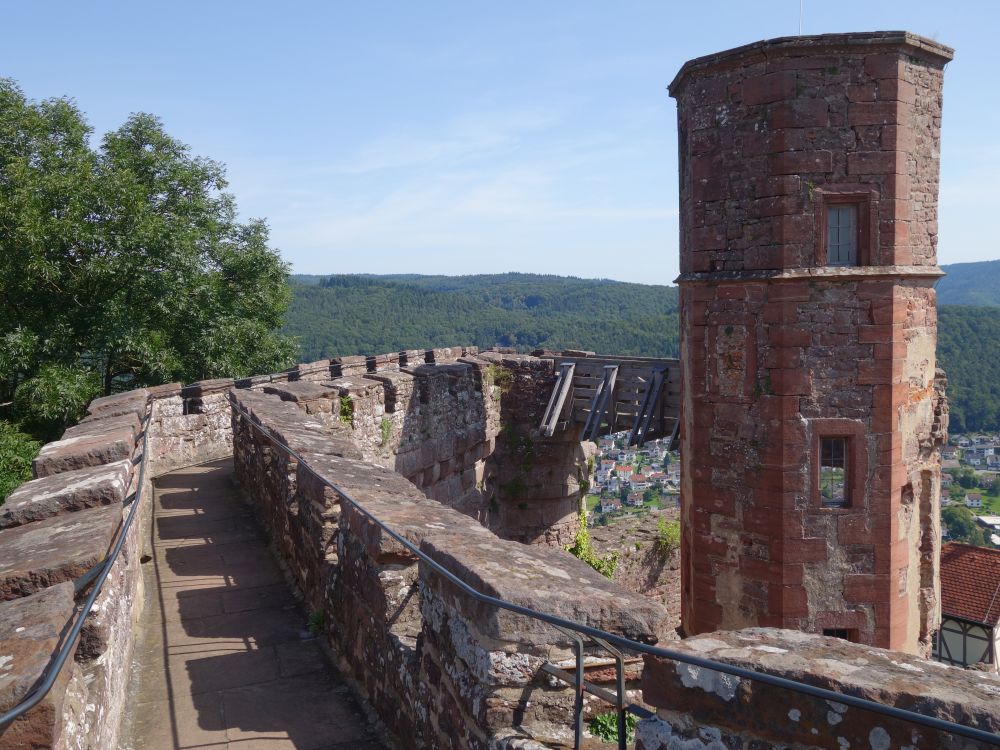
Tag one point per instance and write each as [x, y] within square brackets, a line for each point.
[441, 669]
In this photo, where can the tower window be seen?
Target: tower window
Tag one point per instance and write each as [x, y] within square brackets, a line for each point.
[833, 479]
[847, 226]
[842, 234]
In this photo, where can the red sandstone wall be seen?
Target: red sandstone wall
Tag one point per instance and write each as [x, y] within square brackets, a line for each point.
[778, 349]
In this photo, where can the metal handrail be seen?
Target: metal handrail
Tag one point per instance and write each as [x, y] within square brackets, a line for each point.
[902, 714]
[69, 642]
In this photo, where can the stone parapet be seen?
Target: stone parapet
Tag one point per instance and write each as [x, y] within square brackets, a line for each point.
[704, 709]
[71, 491]
[441, 669]
[55, 533]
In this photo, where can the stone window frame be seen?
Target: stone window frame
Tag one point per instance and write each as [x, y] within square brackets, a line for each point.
[857, 469]
[866, 199]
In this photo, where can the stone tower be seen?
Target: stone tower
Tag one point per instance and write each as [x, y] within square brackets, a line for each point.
[812, 412]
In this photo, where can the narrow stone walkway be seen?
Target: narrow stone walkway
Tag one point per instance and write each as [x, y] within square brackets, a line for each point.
[224, 658]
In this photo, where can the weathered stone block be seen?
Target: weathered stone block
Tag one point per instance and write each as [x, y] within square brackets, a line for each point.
[129, 402]
[84, 450]
[31, 629]
[694, 699]
[49, 552]
[99, 423]
[67, 492]
[540, 577]
[205, 387]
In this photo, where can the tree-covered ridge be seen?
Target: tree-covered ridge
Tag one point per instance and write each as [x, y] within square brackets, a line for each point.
[975, 284]
[969, 352]
[364, 314]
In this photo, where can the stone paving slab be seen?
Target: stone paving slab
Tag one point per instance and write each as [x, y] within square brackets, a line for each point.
[224, 658]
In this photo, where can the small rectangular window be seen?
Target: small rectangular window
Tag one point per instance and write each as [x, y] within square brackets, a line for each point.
[833, 472]
[842, 633]
[842, 234]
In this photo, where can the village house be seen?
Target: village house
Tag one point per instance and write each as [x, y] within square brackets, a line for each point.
[609, 504]
[638, 482]
[970, 605]
[973, 500]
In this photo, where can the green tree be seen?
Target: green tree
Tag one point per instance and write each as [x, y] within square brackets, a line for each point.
[962, 526]
[123, 265]
[966, 478]
[16, 452]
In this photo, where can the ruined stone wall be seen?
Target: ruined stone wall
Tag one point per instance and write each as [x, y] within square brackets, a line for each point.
[780, 349]
[441, 669]
[462, 426]
[702, 709]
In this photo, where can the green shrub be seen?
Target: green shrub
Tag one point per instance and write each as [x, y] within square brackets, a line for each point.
[385, 429]
[16, 452]
[668, 535]
[582, 549]
[346, 410]
[500, 377]
[605, 726]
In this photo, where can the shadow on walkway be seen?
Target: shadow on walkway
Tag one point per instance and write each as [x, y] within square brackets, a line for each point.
[223, 655]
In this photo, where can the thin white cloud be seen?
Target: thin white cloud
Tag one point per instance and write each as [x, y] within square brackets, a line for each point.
[467, 137]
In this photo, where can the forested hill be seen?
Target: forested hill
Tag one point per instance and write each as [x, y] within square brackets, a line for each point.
[969, 352]
[335, 315]
[970, 284]
[364, 314]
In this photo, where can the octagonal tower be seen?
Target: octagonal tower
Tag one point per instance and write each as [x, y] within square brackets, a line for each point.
[812, 411]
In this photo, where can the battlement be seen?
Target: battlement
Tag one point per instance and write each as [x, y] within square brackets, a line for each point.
[421, 448]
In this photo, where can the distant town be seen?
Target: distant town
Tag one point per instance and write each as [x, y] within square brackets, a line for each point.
[632, 480]
[970, 486]
[635, 480]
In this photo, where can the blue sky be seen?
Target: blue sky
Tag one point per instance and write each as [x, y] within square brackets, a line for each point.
[469, 137]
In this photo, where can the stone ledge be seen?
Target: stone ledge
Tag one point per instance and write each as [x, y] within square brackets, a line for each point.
[858, 42]
[31, 629]
[97, 424]
[302, 391]
[89, 449]
[205, 387]
[545, 579]
[67, 492]
[513, 361]
[49, 552]
[166, 390]
[305, 369]
[828, 273]
[133, 401]
[289, 424]
[776, 717]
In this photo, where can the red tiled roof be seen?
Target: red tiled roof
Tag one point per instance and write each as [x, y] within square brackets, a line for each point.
[970, 582]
